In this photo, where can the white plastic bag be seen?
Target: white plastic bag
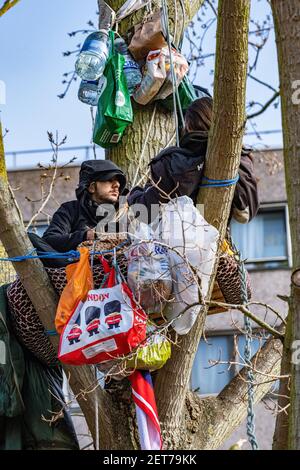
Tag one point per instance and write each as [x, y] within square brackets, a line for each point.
[194, 244]
[154, 77]
[148, 271]
[181, 68]
[129, 7]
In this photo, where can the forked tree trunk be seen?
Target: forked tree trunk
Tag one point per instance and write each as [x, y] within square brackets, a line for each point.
[287, 28]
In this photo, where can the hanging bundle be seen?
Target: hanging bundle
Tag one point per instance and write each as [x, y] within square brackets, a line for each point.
[114, 106]
[104, 325]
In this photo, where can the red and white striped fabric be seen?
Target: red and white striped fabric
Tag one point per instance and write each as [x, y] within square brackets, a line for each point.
[146, 410]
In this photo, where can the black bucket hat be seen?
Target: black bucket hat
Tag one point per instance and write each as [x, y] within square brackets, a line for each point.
[98, 170]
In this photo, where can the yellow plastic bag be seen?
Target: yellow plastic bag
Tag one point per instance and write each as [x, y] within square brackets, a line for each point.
[153, 355]
[79, 282]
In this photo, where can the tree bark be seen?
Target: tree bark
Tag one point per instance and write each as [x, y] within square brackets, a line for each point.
[210, 421]
[222, 161]
[287, 29]
[44, 299]
[7, 5]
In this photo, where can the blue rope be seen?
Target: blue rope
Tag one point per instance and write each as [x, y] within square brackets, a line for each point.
[218, 183]
[51, 332]
[52, 255]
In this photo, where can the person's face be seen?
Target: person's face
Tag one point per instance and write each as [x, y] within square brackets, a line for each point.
[105, 191]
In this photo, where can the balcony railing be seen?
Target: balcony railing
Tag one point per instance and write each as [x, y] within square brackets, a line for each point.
[28, 159]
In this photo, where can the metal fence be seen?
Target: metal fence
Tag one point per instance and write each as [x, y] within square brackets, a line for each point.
[28, 159]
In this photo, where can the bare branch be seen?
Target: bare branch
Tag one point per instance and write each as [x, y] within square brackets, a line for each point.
[8, 4]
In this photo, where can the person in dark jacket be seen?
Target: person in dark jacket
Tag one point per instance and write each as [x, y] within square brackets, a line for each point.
[100, 182]
[177, 171]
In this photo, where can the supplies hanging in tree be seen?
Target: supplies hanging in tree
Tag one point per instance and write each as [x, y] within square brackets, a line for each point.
[153, 77]
[148, 36]
[149, 275]
[153, 354]
[106, 324]
[186, 93]
[184, 228]
[181, 68]
[114, 107]
[79, 282]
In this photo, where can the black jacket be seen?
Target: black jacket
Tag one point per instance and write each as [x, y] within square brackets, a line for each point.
[70, 224]
[178, 171]
[73, 219]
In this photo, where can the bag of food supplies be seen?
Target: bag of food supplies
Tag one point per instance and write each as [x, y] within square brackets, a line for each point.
[148, 272]
[181, 68]
[114, 107]
[192, 258]
[148, 36]
[154, 76]
[104, 324]
[151, 355]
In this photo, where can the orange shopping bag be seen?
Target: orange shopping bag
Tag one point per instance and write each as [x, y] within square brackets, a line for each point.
[79, 282]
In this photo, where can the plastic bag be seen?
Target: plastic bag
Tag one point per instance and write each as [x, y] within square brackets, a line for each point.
[79, 282]
[148, 271]
[186, 93]
[114, 106]
[107, 325]
[184, 229]
[152, 355]
[181, 68]
[129, 7]
[148, 36]
[153, 78]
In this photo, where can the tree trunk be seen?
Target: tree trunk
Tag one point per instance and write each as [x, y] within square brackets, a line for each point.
[287, 28]
[222, 161]
[42, 295]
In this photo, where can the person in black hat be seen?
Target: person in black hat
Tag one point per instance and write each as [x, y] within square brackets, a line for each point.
[100, 182]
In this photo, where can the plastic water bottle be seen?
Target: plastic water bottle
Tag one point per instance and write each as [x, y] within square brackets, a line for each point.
[131, 67]
[93, 56]
[90, 91]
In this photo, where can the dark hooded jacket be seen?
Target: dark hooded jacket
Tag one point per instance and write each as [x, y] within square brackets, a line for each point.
[177, 171]
[73, 219]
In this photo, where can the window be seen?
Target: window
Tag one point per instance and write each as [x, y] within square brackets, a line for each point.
[264, 242]
[206, 378]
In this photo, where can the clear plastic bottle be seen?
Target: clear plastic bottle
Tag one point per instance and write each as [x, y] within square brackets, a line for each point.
[88, 92]
[93, 56]
[131, 67]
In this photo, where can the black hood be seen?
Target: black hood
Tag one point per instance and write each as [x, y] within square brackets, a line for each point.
[98, 170]
[195, 141]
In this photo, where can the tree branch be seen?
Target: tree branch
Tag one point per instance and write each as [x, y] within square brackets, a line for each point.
[222, 162]
[266, 105]
[210, 421]
[8, 4]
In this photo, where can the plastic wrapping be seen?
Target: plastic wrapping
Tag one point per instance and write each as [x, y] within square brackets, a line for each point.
[153, 78]
[153, 355]
[149, 275]
[194, 244]
[181, 68]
